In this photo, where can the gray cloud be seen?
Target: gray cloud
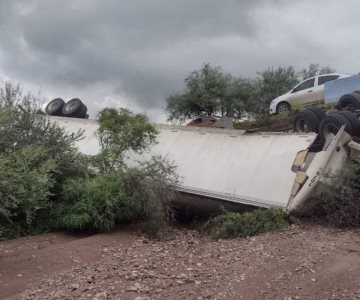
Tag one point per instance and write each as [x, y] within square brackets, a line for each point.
[137, 52]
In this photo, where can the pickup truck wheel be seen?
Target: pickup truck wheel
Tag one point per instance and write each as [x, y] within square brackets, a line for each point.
[283, 107]
[349, 102]
[318, 112]
[306, 121]
[331, 124]
[55, 106]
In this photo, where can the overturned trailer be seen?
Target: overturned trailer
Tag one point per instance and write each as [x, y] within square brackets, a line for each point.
[234, 168]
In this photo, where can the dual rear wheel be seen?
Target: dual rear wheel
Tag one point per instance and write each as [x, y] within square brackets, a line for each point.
[314, 119]
[74, 108]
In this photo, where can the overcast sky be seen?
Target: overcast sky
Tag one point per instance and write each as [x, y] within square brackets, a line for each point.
[134, 53]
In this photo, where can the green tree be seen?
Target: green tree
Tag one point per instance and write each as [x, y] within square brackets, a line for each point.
[120, 131]
[314, 70]
[272, 83]
[210, 91]
[35, 158]
[239, 99]
[204, 95]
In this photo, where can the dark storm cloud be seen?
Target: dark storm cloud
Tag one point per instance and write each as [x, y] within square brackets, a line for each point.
[138, 51]
[80, 43]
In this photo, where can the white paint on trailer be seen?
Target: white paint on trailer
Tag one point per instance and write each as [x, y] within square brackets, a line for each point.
[223, 164]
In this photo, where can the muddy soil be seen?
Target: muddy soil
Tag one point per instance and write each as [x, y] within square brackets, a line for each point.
[304, 262]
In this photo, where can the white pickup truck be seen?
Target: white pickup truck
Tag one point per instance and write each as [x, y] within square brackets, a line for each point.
[327, 88]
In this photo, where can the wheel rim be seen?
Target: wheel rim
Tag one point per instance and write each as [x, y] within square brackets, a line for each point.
[302, 126]
[349, 106]
[70, 106]
[283, 108]
[54, 105]
[330, 130]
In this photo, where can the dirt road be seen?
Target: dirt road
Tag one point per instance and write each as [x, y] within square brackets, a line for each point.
[301, 263]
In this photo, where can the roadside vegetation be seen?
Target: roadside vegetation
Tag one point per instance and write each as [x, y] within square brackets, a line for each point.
[210, 91]
[266, 122]
[339, 201]
[46, 184]
[232, 224]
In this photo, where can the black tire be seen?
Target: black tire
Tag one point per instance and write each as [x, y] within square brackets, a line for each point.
[350, 102]
[306, 121]
[332, 123]
[73, 108]
[55, 106]
[83, 113]
[318, 112]
[354, 121]
[283, 107]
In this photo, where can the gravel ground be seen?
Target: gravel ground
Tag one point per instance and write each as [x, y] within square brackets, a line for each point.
[303, 262]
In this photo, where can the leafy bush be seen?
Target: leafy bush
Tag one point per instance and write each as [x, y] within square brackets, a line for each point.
[96, 203]
[339, 199]
[21, 126]
[138, 194]
[45, 182]
[121, 131]
[231, 224]
[35, 158]
[25, 184]
[152, 184]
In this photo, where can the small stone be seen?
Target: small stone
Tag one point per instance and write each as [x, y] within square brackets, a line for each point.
[74, 286]
[131, 289]
[134, 288]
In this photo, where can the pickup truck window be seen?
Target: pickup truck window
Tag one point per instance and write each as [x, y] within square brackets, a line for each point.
[323, 79]
[305, 85]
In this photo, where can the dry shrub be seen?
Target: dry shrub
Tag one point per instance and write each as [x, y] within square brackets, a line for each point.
[339, 200]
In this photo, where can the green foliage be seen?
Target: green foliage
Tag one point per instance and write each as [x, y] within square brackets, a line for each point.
[22, 126]
[119, 194]
[138, 194]
[314, 70]
[210, 91]
[204, 95]
[96, 203]
[240, 98]
[339, 199]
[274, 82]
[25, 184]
[45, 182]
[35, 158]
[231, 224]
[152, 183]
[121, 131]
[266, 121]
